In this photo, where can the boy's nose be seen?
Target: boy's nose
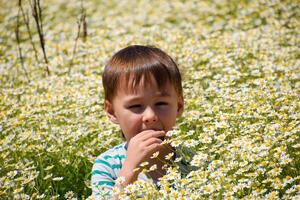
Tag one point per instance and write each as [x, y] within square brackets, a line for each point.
[149, 116]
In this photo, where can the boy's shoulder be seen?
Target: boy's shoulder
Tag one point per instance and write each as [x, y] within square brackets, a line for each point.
[117, 148]
[117, 152]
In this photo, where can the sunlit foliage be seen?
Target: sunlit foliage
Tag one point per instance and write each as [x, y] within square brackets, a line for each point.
[241, 75]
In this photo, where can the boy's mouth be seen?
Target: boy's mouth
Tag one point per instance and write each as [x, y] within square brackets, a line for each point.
[157, 129]
[154, 129]
[162, 138]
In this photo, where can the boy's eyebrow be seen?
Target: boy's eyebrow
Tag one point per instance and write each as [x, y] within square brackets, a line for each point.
[137, 97]
[164, 94]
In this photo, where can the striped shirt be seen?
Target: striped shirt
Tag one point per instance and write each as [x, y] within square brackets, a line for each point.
[107, 167]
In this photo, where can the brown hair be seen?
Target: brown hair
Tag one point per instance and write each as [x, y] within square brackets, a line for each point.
[141, 62]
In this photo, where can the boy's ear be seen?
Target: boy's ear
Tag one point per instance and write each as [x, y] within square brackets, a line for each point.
[180, 106]
[108, 107]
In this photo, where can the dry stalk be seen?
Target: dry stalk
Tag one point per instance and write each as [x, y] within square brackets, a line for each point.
[80, 22]
[27, 23]
[20, 56]
[75, 45]
[83, 20]
[37, 15]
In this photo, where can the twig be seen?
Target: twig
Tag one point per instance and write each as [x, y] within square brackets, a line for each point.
[20, 56]
[37, 15]
[75, 45]
[81, 20]
[84, 28]
[26, 21]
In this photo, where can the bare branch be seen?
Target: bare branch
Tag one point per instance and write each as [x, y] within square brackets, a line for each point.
[75, 45]
[83, 21]
[20, 56]
[80, 22]
[37, 15]
[26, 21]
[84, 28]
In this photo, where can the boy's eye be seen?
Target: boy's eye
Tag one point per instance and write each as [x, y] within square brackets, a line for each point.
[161, 103]
[135, 106]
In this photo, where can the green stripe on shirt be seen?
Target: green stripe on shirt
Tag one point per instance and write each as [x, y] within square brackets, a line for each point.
[115, 166]
[110, 183]
[115, 157]
[102, 173]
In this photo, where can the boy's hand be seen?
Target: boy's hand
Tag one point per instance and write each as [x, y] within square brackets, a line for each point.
[140, 148]
[143, 145]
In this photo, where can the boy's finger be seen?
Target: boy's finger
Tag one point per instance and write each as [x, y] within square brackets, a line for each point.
[145, 135]
[153, 147]
[151, 141]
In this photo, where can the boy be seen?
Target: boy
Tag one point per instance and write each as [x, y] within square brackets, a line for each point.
[143, 95]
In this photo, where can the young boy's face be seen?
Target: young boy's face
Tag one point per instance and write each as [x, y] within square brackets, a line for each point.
[145, 108]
